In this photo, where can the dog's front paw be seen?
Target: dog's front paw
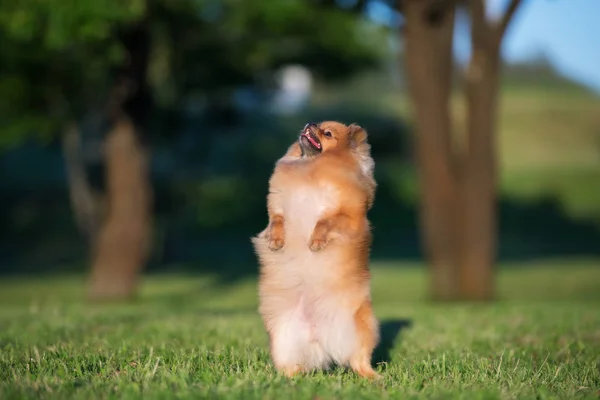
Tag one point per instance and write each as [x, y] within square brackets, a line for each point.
[317, 244]
[276, 235]
[276, 243]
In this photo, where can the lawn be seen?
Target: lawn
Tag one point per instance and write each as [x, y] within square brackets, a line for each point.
[193, 337]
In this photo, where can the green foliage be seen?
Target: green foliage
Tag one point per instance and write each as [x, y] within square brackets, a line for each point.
[195, 338]
[60, 25]
[57, 56]
[221, 200]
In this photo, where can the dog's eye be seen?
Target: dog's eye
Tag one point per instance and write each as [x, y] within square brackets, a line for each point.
[327, 133]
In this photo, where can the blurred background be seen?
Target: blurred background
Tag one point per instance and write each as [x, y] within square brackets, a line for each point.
[138, 136]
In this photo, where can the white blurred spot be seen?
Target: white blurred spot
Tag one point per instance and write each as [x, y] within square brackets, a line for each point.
[295, 85]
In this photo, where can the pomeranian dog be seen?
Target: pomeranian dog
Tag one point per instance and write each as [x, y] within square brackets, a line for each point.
[314, 286]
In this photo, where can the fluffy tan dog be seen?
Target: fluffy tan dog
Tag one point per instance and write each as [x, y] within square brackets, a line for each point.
[314, 277]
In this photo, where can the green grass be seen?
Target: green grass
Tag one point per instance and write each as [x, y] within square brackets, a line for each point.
[189, 337]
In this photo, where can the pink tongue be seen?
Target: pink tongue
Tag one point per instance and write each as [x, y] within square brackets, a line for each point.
[310, 139]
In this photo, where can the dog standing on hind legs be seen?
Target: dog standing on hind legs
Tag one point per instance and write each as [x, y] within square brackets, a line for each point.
[314, 285]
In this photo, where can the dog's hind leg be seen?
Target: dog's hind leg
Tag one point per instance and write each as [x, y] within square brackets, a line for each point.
[367, 329]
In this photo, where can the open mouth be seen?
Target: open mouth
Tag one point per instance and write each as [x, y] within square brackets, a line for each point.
[308, 135]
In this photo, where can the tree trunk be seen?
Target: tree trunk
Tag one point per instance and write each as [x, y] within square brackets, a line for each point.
[458, 186]
[86, 205]
[123, 242]
[479, 180]
[428, 33]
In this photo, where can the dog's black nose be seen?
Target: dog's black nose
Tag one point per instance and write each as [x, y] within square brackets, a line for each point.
[310, 125]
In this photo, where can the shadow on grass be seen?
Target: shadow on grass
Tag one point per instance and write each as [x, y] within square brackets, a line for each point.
[389, 330]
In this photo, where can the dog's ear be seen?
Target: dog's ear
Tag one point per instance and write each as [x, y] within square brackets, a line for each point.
[358, 136]
[360, 147]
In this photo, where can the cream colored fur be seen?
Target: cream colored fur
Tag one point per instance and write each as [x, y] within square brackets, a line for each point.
[309, 316]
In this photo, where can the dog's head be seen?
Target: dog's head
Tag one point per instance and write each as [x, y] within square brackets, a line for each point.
[316, 138]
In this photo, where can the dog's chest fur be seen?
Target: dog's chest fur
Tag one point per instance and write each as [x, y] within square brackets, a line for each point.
[305, 205]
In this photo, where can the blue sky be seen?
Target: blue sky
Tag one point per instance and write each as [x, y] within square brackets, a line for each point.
[566, 31]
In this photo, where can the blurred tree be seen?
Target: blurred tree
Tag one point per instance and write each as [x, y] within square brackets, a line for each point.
[108, 66]
[62, 62]
[458, 180]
